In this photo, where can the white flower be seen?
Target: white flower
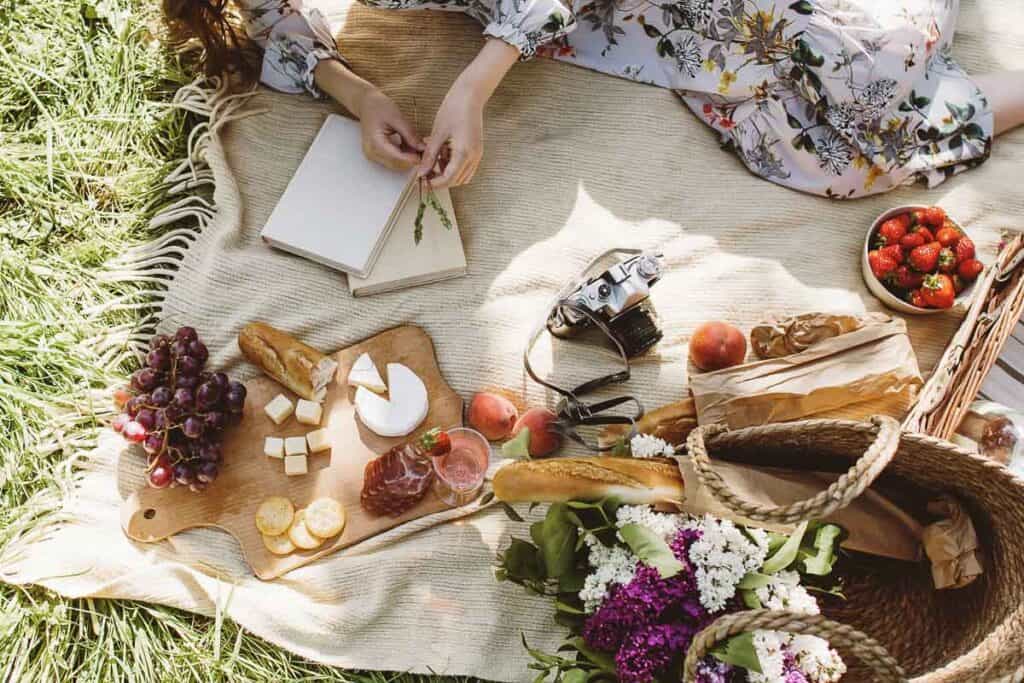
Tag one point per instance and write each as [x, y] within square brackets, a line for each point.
[615, 565]
[665, 525]
[769, 646]
[648, 446]
[722, 556]
[786, 593]
[819, 662]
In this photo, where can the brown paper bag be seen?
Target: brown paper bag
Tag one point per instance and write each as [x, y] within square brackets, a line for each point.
[870, 370]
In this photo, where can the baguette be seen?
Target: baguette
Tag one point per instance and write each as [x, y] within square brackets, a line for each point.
[672, 422]
[301, 368]
[632, 480]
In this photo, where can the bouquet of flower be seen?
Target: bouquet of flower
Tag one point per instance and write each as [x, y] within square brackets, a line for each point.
[634, 586]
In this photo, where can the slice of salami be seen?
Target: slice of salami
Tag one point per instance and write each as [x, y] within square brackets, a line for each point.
[396, 481]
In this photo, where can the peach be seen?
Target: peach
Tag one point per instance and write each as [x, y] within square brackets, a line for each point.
[492, 415]
[716, 345]
[544, 440]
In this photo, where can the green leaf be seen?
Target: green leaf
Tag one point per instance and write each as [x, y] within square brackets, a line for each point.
[784, 556]
[825, 541]
[520, 561]
[519, 446]
[750, 599]
[574, 676]
[558, 541]
[738, 651]
[652, 549]
[602, 660]
[802, 7]
[754, 580]
[566, 607]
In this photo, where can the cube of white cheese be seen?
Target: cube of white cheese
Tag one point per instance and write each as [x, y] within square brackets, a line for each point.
[273, 447]
[295, 445]
[318, 441]
[308, 412]
[295, 465]
[279, 409]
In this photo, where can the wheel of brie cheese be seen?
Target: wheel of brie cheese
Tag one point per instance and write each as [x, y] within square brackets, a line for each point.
[401, 413]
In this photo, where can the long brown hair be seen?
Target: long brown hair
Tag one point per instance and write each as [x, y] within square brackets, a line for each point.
[211, 29]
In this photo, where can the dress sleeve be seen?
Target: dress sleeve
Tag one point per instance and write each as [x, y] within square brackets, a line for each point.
[294, 40]
[528, 24]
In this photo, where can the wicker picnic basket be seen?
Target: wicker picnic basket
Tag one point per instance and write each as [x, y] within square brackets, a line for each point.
[893, 625]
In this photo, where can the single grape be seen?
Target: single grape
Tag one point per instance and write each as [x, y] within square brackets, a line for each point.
[159, 341]
[188, 366]
[207, 395]
[173, 414]
[147, 418]
[215, 421]
[222, 381]
[193, 427]
[184, 382]
[209, 452]
[161, 396]
[160, 421]
[207, 472]
[186, 334]
[158, 359]
[235, 399]
[121, 396]
[183, 474]
[145, 379]
[198, 350]
[119, 421]
[179, 348]
[154, 443]
[177, 438]
[135, 404]
[133, 431]
[184, 399]
[160, 476]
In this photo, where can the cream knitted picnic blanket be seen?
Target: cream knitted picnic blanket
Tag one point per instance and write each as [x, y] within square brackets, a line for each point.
[576, 163]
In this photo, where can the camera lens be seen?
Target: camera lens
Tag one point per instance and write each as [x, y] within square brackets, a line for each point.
[604, 291]
[637, 328]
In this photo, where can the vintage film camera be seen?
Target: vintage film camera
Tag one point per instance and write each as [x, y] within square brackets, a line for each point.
[620, 299]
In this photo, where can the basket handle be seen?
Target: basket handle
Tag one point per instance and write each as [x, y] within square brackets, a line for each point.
[865, 648]
[837, 496]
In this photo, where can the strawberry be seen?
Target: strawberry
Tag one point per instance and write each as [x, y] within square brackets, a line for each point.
[925, 258]
[947, 261]
[959, 284]
[905, 219]
[917, 299]
[436, 443]
[907, 278]
[929, 236]
[891, 231]
[970, 269]
[934, 216]
[911, 241]
[917, 218]
[893, 251]
[881, 264]
[947, 235]
[964, 249]
[938, 291]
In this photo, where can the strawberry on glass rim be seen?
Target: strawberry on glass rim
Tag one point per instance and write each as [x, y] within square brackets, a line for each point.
[435, 443]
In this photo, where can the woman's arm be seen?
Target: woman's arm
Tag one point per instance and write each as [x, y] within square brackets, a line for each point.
[388, 138]
[459, 120]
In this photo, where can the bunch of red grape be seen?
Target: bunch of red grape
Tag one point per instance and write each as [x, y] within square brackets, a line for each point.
[178, 412]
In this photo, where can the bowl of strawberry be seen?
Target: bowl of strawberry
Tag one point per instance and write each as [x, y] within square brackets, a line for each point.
[918, 260]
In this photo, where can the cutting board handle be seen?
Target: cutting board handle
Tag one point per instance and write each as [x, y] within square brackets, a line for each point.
[143, 520]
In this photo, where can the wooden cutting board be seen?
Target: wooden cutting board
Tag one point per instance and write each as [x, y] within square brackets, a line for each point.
[248, 476]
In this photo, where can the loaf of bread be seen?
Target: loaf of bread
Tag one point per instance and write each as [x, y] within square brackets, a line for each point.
[634, 481]
[297, 366]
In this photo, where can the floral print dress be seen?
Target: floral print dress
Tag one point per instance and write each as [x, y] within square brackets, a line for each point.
[842, 98]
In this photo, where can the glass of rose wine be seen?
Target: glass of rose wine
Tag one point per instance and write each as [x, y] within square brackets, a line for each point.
[460, 473]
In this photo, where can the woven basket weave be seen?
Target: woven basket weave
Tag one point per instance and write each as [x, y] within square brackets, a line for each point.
[894, 625]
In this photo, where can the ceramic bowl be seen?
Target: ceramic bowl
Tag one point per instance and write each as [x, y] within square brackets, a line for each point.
[879, 290]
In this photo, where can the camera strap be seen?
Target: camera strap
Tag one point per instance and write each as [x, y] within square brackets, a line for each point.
[574, 412]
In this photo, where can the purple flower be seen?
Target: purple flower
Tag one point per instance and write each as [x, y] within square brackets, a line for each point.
[790, 669]
[711, 670]
[649, 649]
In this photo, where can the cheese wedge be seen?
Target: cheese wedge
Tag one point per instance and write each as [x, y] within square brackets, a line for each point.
[364, 374]
[400, 414]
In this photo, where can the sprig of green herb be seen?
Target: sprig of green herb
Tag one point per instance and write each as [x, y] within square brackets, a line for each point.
[428, 198]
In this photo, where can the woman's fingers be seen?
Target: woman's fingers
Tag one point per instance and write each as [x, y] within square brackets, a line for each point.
[468, 173]
[456, 165]
[408, 133]
[434, 145]
[384, 149]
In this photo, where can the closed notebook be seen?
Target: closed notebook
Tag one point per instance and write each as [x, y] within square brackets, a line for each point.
[403, 263]
[339, 207]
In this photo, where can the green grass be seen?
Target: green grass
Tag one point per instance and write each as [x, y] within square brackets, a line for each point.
[86, 137]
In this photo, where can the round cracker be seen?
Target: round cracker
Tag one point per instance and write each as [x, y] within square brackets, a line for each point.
[324, 517]
[279, 545]
[274, 516]
[300, 535]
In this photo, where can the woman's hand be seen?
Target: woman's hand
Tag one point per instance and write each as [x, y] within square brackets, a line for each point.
[456, 144]
[388, 138]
